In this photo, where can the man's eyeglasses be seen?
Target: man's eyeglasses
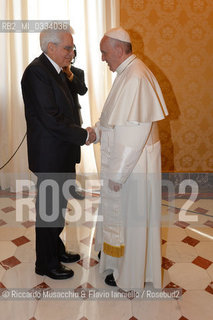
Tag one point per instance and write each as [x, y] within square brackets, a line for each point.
[67, 48]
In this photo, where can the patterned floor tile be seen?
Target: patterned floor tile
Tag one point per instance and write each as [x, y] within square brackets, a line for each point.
[28, 224]
[176, 239]
[8, 209]
[191, 241]
[5, 193]
[179, 252]
[172, 285]
[2, 222]
[85, 285]
[201, 262]
[131, 294]
[189, 276]
[196, 305]
[166, 263]
[89, 224]
[10, 263]
[2, 288]
[173, 233]
[201, 210]
[209, 223]
[87, 262]
[202, 233]
[175, 210]
[87, 241]
[42, 285]
[20, 241]
[181, 224]
[83, 291]
[38, 290]
[25, 194]
[205, 250]
[210, 288]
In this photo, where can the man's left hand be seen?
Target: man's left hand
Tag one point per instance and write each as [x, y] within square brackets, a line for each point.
[67, 71]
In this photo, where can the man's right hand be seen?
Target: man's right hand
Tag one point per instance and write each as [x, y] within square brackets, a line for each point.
[91, 137]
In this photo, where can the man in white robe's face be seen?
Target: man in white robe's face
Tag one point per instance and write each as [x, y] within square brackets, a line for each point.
[113, 52]
[110, 53]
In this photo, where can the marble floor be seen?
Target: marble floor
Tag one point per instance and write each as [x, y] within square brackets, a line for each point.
[187, 264]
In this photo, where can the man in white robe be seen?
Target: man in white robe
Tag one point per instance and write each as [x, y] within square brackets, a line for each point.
[129, 235]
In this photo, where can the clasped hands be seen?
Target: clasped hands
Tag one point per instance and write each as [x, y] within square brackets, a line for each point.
[91, 137]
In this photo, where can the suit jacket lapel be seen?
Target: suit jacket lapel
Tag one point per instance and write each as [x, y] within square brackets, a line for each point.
[45, 61]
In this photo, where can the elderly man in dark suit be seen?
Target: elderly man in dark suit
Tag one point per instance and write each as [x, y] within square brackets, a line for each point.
[53, 138]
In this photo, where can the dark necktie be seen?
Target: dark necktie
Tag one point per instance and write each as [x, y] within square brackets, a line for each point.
[66, 88]
[63, 77]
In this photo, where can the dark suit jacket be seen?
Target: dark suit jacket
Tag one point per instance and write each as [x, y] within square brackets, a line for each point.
[53, 137]
[77, 86]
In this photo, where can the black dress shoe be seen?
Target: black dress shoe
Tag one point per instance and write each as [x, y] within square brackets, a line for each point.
[59, 273]
[68, 257]
[76, 195]
[110, 280]
[99, 255]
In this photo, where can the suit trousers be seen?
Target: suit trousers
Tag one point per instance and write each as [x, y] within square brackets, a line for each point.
[51, 203]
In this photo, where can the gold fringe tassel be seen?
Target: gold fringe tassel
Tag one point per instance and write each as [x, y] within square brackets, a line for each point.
[113, 251]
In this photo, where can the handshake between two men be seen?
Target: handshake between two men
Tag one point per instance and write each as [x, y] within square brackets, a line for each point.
[91, 136]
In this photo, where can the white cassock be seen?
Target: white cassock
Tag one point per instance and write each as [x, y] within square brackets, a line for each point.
[129, 235]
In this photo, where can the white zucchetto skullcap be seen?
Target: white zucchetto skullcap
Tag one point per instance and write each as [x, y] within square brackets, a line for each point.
[118, 34]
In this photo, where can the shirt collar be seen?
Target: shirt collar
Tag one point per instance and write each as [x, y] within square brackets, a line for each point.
[55, 65]
[125, 63]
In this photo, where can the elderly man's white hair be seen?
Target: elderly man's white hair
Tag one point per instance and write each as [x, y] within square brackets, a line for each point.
[53, 34]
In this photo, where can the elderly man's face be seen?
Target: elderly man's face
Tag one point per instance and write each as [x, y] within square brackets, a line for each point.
[62, 53]
[110, 53]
